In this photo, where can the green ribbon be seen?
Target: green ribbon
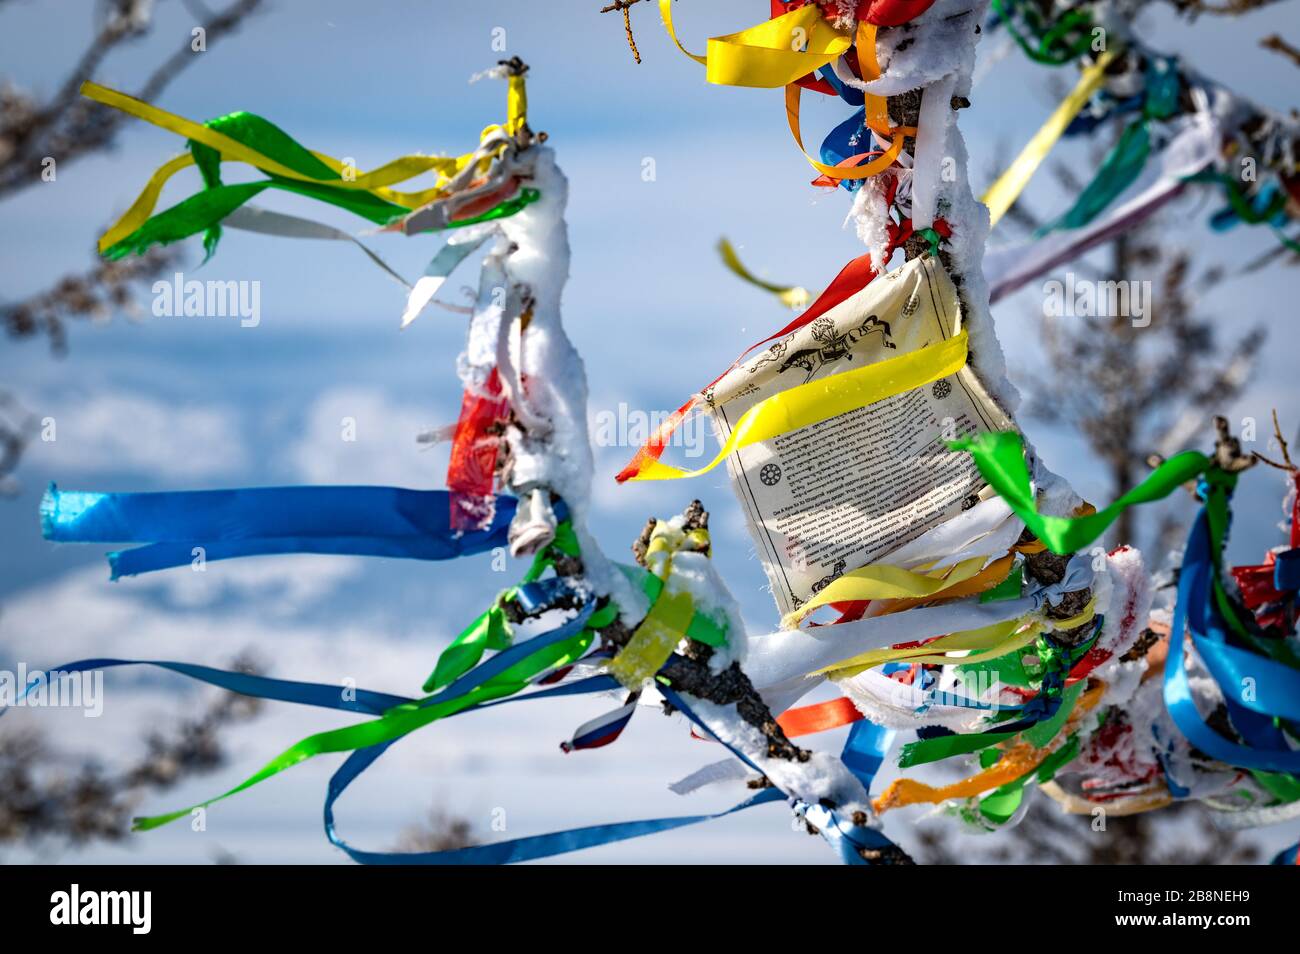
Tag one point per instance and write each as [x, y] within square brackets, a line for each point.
[1000, 457]
[1121, 166]
[491, 630]
[204, 211]
[399, 721]
[942, 747]
[1053, 46]
[1002, 803]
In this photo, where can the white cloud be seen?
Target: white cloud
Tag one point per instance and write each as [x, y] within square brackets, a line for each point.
[359, 436]
[120, 431]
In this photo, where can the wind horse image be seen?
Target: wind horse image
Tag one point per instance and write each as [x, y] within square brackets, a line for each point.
[925, 565]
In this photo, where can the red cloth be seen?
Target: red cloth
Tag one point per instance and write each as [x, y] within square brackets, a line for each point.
[471, 473]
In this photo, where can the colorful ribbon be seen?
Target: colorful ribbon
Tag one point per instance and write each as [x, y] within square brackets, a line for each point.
[817, 401]
[1004, 192]
[1000, 458]
[254, 521]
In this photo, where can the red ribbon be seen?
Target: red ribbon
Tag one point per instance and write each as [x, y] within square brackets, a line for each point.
[471, 473]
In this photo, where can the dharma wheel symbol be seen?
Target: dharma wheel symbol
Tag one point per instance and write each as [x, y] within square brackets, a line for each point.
[941, 389]
[770, 475]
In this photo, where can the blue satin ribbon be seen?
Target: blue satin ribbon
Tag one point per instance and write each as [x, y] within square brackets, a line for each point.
[1287, 856]
[847, 139]
[361, 521]
[260, 687]
[1276, 687]
[865, 750]
[845, 837]
[1286, 571]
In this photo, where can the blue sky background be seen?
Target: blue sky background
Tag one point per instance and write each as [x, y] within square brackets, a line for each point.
[156, 404]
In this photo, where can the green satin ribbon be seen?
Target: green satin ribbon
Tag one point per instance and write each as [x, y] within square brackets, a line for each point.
[492, 630]
[1001, 804]
[1119, 169]
[942, 747]
[1000, 457]
[399, 721]
[204, 211]
[1053, 46]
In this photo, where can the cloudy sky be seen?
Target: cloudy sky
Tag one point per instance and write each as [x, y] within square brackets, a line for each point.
[172, 403]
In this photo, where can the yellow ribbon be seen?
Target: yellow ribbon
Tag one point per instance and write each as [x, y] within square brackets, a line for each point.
[230, 150]
[669, 618]
[792, 296]
[654, 640]
[768, 54]
[1004, 192]
[990, 642]
[872, 168]
[817, 401]
[880, 581]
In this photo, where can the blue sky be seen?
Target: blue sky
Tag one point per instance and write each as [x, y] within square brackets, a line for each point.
[191, 403]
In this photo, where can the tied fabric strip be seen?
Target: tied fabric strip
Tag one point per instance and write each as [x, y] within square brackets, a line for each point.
[1004, 192]
[792, 296]
[254, 521]
[504, 675]
[247, 684]
[1000, 458]
[1197, 613]
[852, 278]
[766, 55]
[817, 401]
[881, 581]
[246, 137]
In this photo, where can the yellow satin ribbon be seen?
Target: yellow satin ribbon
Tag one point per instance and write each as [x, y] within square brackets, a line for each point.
[817, 401]
[230, 150]
[990, 576]
[990, 642]
[792, 296]
[767, 55]
[880, 581]
[665, 625]
[654, 640]
[1004, 192]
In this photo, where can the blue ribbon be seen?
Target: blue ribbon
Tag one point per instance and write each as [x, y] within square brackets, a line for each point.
[1276, 687]
[360, 521]
[1286, 571]
[261, 687]
[846, 140]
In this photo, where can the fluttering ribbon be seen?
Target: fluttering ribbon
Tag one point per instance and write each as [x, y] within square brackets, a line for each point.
[180, 528]
[766, 55]
[851, 279]
[1204, 612]
[503, 675]
[1004, 192]
[1000, 457]
[880, 581]
[792, 296]
[246, 137]
[1058, 42]
[817, 401]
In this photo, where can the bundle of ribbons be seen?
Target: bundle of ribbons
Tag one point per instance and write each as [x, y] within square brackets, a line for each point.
[1180, 130]
[947, 635]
